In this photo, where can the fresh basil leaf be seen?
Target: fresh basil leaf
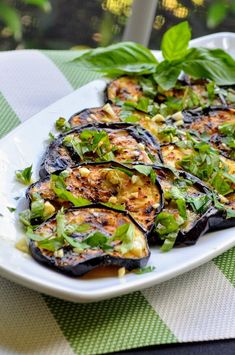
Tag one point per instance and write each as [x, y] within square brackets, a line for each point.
[24, 176]
[125, 233]
[112, 205]
[62, 125]
[143, 169]
[51, 244]
[117, 59]
[34, 236]
[76, 243]
[74, 228]
[222, 186]
[37, 208]
[96, 239]
[11, 209]
[58, 186]
[199, 204]
[132, 119]
[181, 205]
[169, 242]
[144, 270]
[60, 223]
[168, 223]
[25, 217]
[175, 41]
[51, 137]
[123, 170]
[148, 86]
[213, 64]
[230, 213]
[167, 73]
[227, 129]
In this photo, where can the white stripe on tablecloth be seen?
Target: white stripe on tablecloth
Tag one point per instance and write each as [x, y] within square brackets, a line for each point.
[199, 305]
[30, 82]
[26, 324]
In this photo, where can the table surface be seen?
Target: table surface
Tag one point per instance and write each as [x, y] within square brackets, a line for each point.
[30, 81]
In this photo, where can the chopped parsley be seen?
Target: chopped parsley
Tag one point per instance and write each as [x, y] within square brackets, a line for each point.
[82, 237]
[58, 185]
[90, 143]
[167, 226]
[205, 163]
[11, 209]
[62, 125]
[144, 270]
[24, 176]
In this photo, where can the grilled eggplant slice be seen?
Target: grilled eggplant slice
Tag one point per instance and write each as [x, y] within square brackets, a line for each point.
[104, 114]
[111, 183]
[125, 88]
[114, 114]
[95, 236]
[194, 93]
[209, 119]
[221, 168]
[188, 208]
[218, 124]
[122, 143]
[188, 93]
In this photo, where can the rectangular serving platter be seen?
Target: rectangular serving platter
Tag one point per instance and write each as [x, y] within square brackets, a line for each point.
[25, 146]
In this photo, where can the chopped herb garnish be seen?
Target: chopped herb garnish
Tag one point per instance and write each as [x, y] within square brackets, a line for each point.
[167, 226]
[11, 209]
[230, 213]
[59, 187]
[62, 125]
[91, 143]
[51, 137]
[113, 205]
[147, 171]
[63, 235]
[24, 176]
[145, 270]
[205, 163]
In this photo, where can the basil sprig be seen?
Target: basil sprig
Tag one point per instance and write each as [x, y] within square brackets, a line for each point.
[132, 58]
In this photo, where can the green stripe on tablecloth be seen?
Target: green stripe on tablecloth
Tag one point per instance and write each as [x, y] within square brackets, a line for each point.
[76, 77]
[112, 325]
[8, 118]
[226, 263]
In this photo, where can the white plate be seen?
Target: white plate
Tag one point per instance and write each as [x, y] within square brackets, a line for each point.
[24, 146]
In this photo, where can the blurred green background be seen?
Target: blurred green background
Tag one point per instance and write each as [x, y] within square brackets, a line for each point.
[64, 24]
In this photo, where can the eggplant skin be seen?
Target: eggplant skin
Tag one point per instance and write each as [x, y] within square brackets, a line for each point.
[201, 227]
[57, 157]
[73, 264]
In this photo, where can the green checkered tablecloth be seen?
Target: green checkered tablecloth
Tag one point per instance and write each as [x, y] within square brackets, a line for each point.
[196, 306]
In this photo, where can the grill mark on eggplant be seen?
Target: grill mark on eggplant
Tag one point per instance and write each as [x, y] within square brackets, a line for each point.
[101, 184]
[102, 219]
[125, 135]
